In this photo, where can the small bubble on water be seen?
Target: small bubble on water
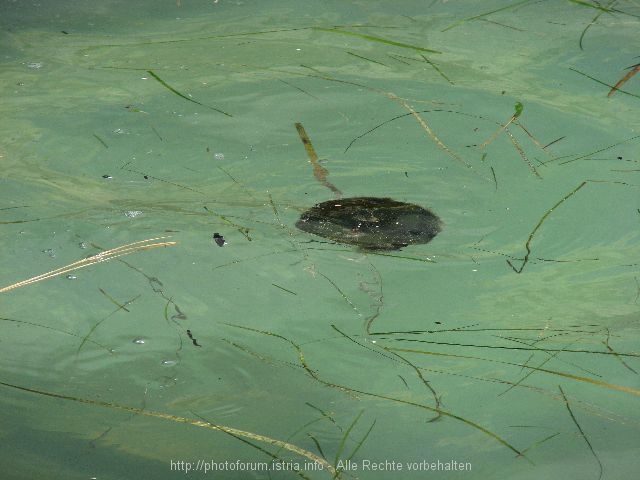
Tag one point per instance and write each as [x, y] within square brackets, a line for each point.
[218, 156]
[132, 213]
[50, 252]
[83, 245]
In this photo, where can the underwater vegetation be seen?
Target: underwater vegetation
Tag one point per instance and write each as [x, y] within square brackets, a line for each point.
[317, 309]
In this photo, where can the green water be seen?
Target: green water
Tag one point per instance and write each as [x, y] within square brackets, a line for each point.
[126, 121]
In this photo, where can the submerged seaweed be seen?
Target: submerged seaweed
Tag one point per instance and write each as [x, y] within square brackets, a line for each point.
[371, 223]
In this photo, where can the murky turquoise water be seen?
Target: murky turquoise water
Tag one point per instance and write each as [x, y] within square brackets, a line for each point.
[127, 121]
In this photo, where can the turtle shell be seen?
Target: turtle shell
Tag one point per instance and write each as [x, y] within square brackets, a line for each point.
[371, 223]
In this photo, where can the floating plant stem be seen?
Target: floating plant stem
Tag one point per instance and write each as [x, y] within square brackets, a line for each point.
[367, 59]
[319, 172]
[475, 17]
[325, 414]
[344, 438]
[633, 70]
[606, 344]
[595, 19]
[600, 150]
[189, 421]
[299, 89]
[314, 374]
[342, 294]
[104, 144]
[527, 245]
[596, 5]
[182, 95]
[116, 303]
[85, 339]
[93, 259]
[593, 452]
[24, 322]
[361, 442]
[495, 180]
[284, 289]
[146, 176]
[399, 358]
[403, 103]
[375, 39]
[428, 129]
[399, 57]
[600, 383]
[540, 442]
[496, 347]
[611, 87]
[435, 67]
[411, 113]
[317, 444]
[243, 230]
[523, 155]
[530, 135]
[367, 347]
[529, 373]
[378, 126]
[258, 447]
[554, 141]
[518, 111]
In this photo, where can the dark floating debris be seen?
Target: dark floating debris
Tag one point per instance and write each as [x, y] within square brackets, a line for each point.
[371, 223]
[219, 239]
[195, 341]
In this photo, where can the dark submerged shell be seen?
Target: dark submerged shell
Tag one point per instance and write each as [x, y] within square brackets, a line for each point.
[371, 223]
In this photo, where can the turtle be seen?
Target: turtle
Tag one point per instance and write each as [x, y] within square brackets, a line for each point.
[371, 223]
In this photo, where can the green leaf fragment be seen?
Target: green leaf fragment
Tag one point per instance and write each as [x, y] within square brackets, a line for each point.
[519, 107]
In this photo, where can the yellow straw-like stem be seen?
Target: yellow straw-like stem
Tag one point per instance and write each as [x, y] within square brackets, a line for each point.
[92, 260]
